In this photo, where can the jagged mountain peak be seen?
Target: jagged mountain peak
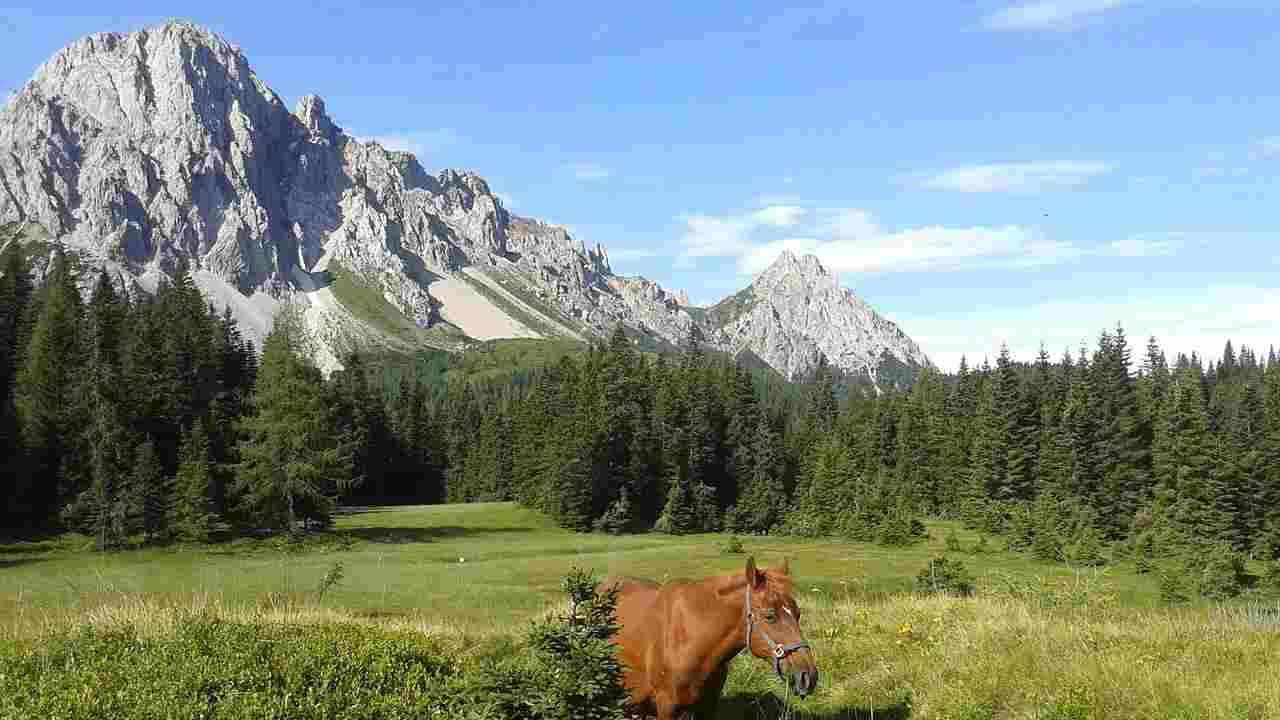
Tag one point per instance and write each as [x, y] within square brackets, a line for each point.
[796, 271]
[310, 111]
[794, 313]
[143, 149]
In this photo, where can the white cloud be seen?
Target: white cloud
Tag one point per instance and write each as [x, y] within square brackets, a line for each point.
[1016, 177]
[422, 143]
[711, 236]
[588, 171]
[1180, 321]
[1049, 14]
[850, 240]
[779, 215]
[1145, 246]
[927, 248]
[1267, 147]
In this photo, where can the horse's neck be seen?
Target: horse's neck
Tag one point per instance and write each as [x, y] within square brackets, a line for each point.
[730, 635]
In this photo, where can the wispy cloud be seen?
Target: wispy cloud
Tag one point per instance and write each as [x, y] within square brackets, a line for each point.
[851, 240]
[1267, 148]
[422, 143]
[1049, 14]
[588, 171]
[1029, 177]
[926, 248]
[779, 215]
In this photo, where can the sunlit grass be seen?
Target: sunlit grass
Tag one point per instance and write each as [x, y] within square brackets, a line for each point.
[1038, 640]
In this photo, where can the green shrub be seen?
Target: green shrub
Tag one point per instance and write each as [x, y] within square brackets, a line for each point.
[1086, 549]
[215, 668]
[571, 671]
[1173, 588]
[1221, 573]
[900, 528]
[953, 542]
[732, 546]
[1271, 576]
[944, 576]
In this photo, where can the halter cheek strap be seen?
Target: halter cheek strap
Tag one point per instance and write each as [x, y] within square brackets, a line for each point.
[777, 650]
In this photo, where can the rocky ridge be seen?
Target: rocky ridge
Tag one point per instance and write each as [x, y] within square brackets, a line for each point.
[794, 313]
[135, 150]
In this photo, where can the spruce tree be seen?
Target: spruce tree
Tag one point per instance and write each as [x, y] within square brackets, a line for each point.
[764, 506]
[105, 506]
[680, 515]
[45, 397]
[148, 490]
[190, 513]
[293, 463]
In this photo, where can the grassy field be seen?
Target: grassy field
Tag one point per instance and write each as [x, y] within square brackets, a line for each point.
[1037, 641]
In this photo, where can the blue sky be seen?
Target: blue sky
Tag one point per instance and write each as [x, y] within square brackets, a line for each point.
[980, 171]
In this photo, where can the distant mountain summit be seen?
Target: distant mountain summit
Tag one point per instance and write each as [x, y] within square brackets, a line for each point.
[794, 312]
[137, 150]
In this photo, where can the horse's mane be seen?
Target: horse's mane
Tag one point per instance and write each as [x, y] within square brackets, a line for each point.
[776, 581]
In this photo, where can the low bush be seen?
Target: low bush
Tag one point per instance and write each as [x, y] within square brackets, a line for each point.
[944, 576]
[571, 671]
[216, 668]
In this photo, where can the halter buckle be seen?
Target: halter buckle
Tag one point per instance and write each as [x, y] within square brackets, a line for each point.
[779, 652]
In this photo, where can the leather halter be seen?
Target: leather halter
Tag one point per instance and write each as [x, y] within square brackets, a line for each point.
[777, 650]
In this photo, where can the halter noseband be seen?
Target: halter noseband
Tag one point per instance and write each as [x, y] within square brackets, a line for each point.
[778, 651]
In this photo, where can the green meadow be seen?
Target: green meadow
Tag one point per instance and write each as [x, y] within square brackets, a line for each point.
[1035, 640]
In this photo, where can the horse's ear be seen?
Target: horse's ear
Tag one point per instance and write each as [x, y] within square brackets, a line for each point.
[785, 567]
[752, 574]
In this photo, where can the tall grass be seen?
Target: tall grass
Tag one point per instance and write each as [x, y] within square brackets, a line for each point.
[993, 656]
[1034, 641]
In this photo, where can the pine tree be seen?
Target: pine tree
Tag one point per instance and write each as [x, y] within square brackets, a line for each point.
[680, 515]
[190, 513]
[1267, 499]
[1015, 432]
[15, 299]
[1123, 439]
[149, 491]
[1189, 465]
[106, 502]
[293, 463]
[989, 452]
[956, 463]
[766, 502]
[739, 436]
[44, 393]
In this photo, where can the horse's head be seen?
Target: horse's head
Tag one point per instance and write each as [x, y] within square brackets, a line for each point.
[773, 626]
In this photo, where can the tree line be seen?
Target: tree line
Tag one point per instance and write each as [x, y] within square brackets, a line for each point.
[153, 418]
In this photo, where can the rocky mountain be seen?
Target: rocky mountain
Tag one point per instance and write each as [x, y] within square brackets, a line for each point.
[137, 151]
[794, 313]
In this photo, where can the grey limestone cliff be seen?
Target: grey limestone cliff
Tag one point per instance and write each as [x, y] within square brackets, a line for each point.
[135, 150]
[794, 313]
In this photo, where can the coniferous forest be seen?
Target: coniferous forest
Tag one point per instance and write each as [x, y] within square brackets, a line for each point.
[152, 420]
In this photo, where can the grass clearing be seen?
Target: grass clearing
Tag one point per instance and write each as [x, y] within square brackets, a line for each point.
[1037, 641]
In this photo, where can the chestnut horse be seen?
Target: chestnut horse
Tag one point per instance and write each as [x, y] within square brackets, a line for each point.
[676, 640]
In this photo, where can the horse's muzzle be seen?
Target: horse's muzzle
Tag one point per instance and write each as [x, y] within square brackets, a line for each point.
[804, 681]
